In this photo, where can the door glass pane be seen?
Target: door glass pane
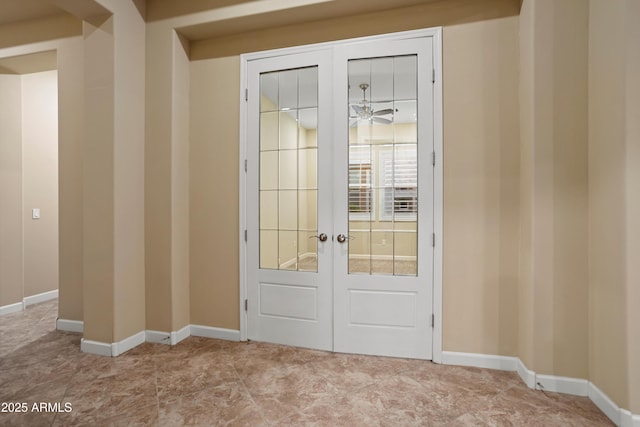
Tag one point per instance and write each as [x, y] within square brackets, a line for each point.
[383, 166]
[288, 169]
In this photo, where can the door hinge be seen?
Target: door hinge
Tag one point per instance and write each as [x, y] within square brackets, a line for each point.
[433, 158]
[246, 94]
[433, 75]
[246, 305]
[433, 240]
[245, 165]
[245, 235]
[433, 320]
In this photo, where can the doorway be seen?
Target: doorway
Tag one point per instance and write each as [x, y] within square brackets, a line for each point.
[340, 196]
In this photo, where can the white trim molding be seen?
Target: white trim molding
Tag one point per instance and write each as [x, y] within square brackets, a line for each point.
[157, 337]
[211, 332]
[27, 301]
[502, 363]
[114, 349]
[566, 385]
[128, 343]
[11, 308]
[620, 417]
[554, 383]
[181, 334]
[627, 419]
[527, 375]
[70, 325]
[96, 347]
[45, 296]
[605, 404]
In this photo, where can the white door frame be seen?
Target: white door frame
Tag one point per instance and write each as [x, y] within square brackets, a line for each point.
[436, 34]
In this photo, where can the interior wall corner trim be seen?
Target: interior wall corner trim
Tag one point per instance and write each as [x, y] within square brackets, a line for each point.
[70, 325]
[527, 375]
[627, 419]
[128, 343]
[605, 404]
[211, 332]
[95, 347]
[181, 334]
[157, 337]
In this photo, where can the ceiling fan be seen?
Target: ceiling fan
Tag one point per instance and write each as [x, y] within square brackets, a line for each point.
[363, 111]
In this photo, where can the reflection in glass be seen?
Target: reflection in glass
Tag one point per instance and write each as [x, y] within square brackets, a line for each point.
[288, 169]
[383, 167]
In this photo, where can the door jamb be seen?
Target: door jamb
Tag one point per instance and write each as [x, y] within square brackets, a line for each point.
[436, 33]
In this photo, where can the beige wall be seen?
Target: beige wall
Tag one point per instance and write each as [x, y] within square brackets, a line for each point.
[69, 53]
[10, 190]
[553, 277]
[214, 198]
[481, 205]
[70, 172]
[29, 144]
[113, 175]
[614, 340]
[167, 250]
[633, 202]
[525, 272]
[40, 181]
[480, 192]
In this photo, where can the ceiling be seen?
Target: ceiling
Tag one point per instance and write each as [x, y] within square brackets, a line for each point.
[23, 10]
[239, 15]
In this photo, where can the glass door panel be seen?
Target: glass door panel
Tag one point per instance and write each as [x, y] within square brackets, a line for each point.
[383, 165]
[288, 169]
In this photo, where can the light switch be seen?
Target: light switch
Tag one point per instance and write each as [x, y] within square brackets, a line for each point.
[35, 214]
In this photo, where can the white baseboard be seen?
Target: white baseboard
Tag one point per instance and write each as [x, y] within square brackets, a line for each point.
[70, 325]
[627, 419]
[502, 363]
[181, 334]
[566, 385]
[527, 375]
[45, 296]
[605, 404]
[95, 347]
[11, 308]
[554, 383]
[157, 337]
[219, 333]
[128, 343]
[113, 349]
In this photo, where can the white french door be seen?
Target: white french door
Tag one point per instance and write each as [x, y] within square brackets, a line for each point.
[289, 201]
[340, 198]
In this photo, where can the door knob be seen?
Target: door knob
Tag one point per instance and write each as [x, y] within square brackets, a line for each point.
[342, 238]
[322, 237]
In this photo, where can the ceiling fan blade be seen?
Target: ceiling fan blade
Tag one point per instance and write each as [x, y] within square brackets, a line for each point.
[357, 108]
[383, 112]
[381, 120]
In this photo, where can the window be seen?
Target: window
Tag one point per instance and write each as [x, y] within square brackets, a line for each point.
[399, 183]
[360, 200]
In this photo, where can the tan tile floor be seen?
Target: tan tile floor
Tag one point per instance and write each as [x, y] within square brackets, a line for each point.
[209, 382]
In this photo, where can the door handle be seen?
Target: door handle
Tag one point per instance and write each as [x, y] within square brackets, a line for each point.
[322, 237]
[342, 238]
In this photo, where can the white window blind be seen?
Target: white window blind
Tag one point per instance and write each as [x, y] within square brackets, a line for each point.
[400, 184]
[360, 188]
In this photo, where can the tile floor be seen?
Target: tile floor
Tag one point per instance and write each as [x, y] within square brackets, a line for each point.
[209, 382]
